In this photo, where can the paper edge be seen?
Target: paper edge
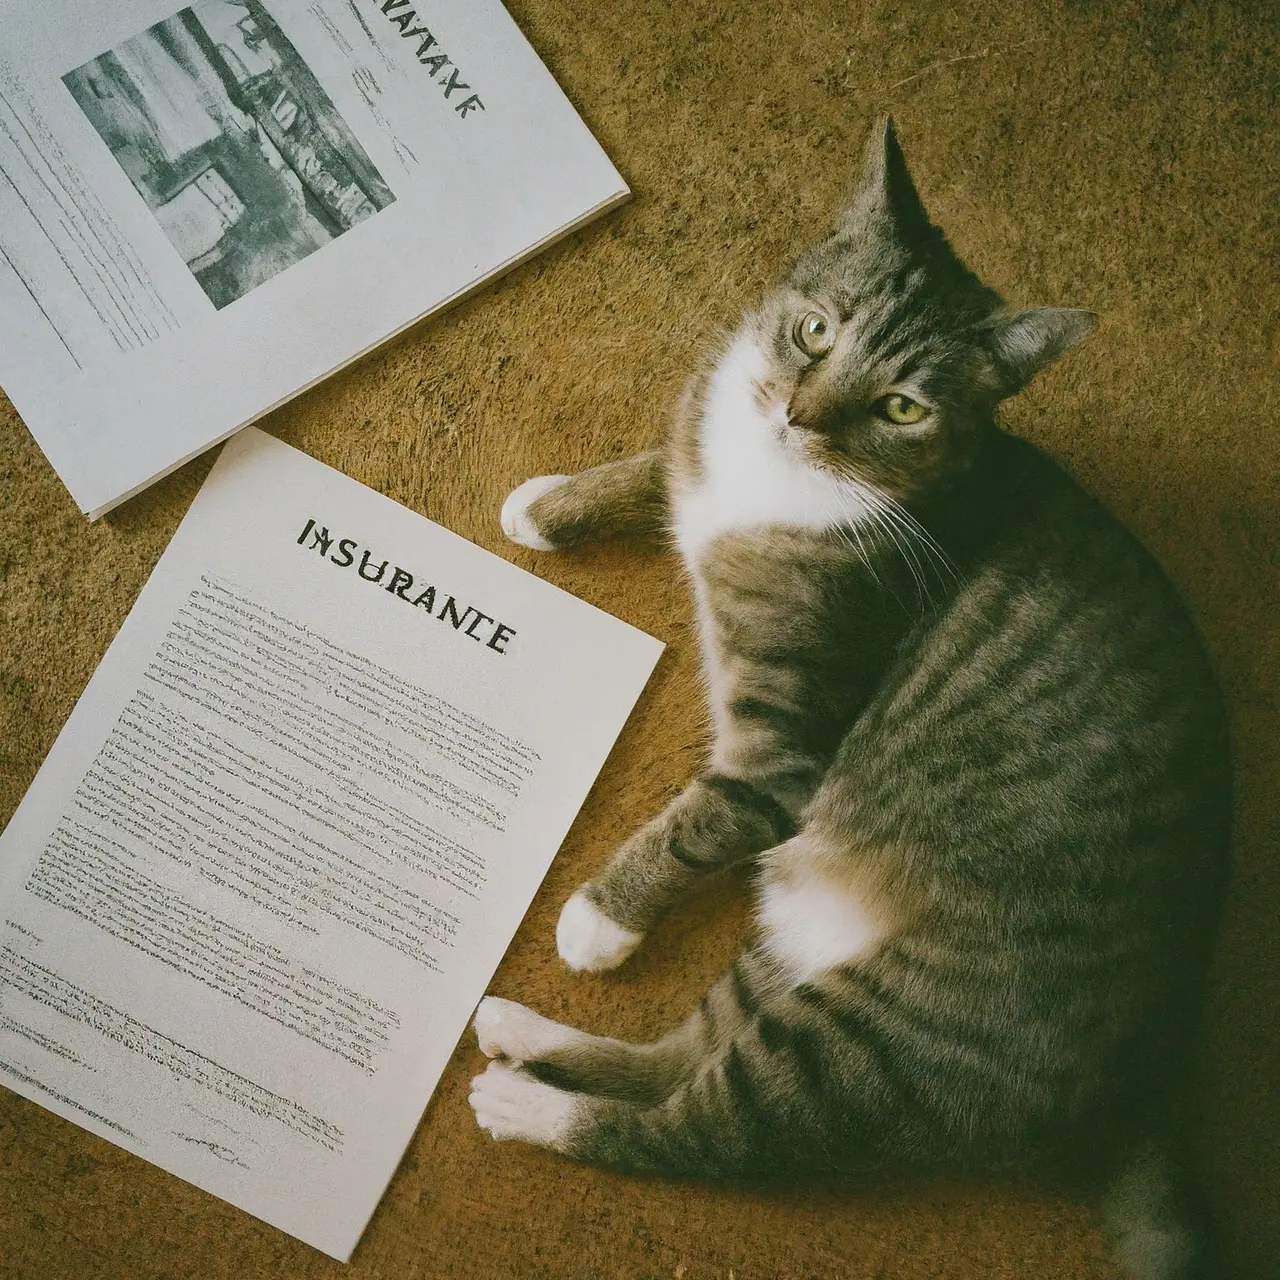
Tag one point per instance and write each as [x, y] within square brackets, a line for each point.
[598, 210]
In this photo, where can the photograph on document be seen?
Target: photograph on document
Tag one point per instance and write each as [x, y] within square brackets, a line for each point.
[230, 140]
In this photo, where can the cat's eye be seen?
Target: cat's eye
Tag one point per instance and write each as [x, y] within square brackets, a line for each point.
[814, 334]
[901, 410]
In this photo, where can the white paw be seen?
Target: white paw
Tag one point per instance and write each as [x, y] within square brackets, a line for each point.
[505, 1029]
[516, 522]
[511, 1105]
[587, 939]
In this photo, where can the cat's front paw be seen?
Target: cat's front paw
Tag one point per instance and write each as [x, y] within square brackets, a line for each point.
[511, 1105]
[517, 522]
[588, 940]
[505, 1029]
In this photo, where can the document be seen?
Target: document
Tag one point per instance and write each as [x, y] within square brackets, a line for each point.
[260, 883]
[206, 208]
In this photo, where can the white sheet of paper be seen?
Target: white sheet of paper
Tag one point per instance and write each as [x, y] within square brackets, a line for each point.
[205, 209]
[255, 892]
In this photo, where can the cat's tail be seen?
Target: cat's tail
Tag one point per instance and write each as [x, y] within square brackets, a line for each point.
[1157, 1218]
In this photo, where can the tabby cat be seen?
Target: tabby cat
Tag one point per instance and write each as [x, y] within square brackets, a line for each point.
[961, 722]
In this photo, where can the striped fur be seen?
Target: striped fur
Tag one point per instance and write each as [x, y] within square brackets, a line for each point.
[964, 726]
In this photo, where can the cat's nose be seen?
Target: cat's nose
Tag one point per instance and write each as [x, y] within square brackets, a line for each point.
[812, 414]
[812, 406]
[803, 409]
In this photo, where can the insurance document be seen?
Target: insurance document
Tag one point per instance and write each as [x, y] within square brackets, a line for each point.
[265, 874]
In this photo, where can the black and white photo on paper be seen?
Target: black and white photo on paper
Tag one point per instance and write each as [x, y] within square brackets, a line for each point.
[231, 141]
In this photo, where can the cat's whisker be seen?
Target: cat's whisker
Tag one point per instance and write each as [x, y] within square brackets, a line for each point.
[923, 534]
[932, 565]
[918, 553]
[879, 516]
[918, 537]
[852, 538]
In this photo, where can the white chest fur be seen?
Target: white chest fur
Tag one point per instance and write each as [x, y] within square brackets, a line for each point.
[811, 925]
[750, 477]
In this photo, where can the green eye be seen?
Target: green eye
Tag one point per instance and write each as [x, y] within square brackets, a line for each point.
[903, 411]
[814, 334]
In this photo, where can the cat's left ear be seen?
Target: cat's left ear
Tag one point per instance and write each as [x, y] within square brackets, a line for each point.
[886, 195]
[1023, 342]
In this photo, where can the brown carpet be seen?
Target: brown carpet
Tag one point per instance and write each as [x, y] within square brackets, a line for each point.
[1112, 155]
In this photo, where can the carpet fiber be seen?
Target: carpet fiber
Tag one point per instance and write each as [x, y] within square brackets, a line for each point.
[1116, 156]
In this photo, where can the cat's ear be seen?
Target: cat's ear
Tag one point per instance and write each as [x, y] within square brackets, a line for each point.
[885, 192]
[1023, 342]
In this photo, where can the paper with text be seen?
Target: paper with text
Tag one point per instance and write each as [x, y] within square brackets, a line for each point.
[264, 876]
[207, 207]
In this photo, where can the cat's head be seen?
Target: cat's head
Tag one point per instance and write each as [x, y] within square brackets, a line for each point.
[886, 355]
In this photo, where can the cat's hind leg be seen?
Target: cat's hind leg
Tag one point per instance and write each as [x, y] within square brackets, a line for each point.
[616, 499]
[767, 1091]
[571, 1059]
[640, 1073]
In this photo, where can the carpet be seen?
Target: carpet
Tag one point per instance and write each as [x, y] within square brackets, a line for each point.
[1118, 156]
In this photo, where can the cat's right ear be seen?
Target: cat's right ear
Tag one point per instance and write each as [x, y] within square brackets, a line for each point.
[1021, 343]
[885, 194]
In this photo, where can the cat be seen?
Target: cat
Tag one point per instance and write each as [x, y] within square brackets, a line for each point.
[964, 727]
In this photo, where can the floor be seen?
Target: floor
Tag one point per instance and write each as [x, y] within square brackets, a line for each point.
[1117, 156]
